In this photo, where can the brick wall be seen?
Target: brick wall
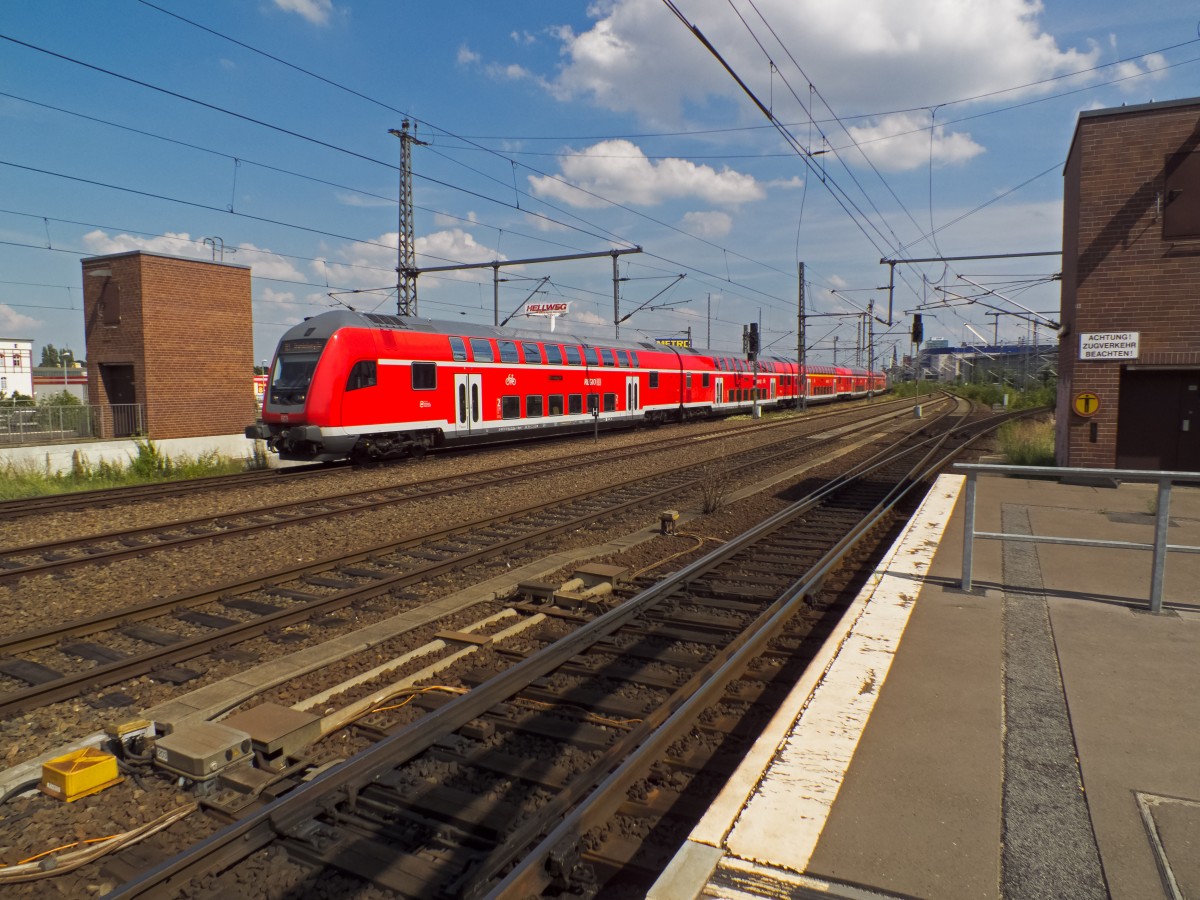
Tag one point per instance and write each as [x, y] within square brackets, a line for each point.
[185, 327]
[1119, 274]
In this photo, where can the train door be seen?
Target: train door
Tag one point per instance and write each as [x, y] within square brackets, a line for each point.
[468, 404]
[719, 391]
[773, 387]
[632, 400]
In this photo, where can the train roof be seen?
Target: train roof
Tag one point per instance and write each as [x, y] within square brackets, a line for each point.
[325, 324]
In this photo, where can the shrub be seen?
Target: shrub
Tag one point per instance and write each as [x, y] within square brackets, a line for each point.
[1027, 443]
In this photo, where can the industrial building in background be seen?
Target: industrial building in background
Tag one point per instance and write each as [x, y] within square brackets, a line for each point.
[1129, 349]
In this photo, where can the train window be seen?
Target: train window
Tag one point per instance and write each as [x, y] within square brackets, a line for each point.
[574, 404]
[653, 379]
[608, 357]
[462, 403]
[555, 405]
[510, 407]
[424, 376]
[533, 354]
[508, 351]
[704, 380]
[482, 348]
[573, 357]
[633, 356]
[533, 405]
[590, 354]
[593, 403]
[458, 349]
[554, 354]
[610, 402]
[688, 385]
[622, 358]
[362, 375]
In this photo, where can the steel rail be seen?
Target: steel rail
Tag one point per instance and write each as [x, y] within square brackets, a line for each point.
[89, 499]
[409, 491]
[106, 674]
[259, 828]
[545, 863]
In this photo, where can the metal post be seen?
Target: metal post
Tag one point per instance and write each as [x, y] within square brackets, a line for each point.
[1161, 521]
[496, 294]
[968, 532]
[802, 359]
[616, 298]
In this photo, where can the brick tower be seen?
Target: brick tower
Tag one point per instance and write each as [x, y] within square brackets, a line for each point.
[169, 345]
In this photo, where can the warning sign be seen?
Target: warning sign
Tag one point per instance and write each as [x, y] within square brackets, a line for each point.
[1085, 404]
[1108, 345]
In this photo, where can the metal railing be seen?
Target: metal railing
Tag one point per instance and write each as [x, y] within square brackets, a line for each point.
[1162, 514]
[47, 424]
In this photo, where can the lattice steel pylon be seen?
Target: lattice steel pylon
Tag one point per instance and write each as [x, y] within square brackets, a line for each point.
[406, 261]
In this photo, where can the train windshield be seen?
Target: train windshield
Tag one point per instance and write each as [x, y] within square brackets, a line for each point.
[291, 376]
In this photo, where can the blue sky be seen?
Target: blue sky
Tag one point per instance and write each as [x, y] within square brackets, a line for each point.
[559, 128]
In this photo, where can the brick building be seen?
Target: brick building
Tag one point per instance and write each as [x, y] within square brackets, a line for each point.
[1129, 356]
[169, 345]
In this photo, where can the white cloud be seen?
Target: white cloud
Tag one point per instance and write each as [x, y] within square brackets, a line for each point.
[172, 243]
[362, 200]
[1151, 67]
[510, 72]
[467, 56]
[445, 220]
[263, 263]
[864, 56]
[901, 142]
[453, 245]
[13, 322]
[710, 224]
[315, 11]
[371, 266]
[620, 172]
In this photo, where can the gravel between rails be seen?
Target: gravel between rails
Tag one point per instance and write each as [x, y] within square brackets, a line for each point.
[35, 823]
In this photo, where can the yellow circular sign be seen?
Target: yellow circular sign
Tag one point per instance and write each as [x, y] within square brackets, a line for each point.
[1086, 404]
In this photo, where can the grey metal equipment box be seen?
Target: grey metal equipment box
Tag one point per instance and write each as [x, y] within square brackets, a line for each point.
[200, 751]
[277, 732]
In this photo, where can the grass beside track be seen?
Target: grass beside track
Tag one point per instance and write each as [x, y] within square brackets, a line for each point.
[149, 466]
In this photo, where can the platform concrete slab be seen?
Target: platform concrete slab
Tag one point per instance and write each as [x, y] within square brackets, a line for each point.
[1133, 686]
[1035, 737]
[919, 812]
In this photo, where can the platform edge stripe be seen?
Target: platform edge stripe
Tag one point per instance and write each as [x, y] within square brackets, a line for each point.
[799, 787]
[714, 827]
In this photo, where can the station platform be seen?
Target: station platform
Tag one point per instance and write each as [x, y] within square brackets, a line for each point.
[1037, 737]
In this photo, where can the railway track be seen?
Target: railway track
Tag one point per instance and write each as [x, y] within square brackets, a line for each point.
[47, 557]
[124, 496]
[157, 637]
[544, 766]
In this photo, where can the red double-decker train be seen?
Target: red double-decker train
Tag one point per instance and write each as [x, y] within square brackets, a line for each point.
[367, 386]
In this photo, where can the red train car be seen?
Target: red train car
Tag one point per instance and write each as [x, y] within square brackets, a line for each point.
[360, 385]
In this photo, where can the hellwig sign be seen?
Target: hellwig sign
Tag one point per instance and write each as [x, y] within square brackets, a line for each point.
[1108, 345]
[547, 309]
